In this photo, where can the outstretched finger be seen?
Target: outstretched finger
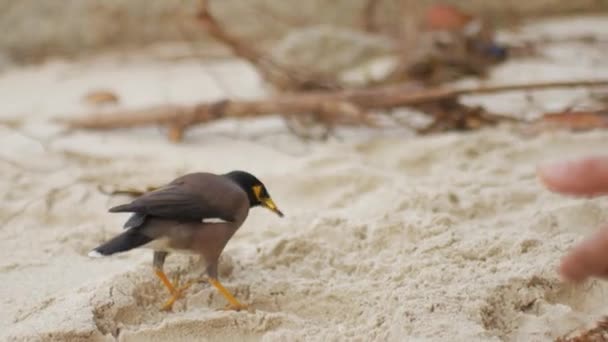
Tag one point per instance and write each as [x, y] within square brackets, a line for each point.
[584, 177]
[588, 259]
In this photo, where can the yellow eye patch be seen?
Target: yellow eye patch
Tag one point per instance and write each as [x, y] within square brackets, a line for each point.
[257, 191]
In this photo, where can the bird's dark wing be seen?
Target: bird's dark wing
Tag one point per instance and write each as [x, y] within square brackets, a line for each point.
[172, 202]
[190, 199]
[136, 220]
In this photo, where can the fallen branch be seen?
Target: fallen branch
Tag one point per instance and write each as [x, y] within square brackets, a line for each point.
[571, 120]
[132, 192]
[368, 15]
[343, 106]
[281, 76]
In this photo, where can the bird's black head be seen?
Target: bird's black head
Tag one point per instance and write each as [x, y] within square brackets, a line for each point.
[255, 190]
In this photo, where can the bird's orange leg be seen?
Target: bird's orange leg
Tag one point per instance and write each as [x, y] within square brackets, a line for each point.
[234, 303]
[176, 292]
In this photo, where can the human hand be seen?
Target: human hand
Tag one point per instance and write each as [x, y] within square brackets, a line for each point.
[585, 177]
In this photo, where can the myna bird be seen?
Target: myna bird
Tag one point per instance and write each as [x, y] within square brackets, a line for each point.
[196, 213]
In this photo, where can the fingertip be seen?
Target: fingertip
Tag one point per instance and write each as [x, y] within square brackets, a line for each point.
[588, 176]
[543, 174]
[587, 259]
[555, 176]
[570, 273]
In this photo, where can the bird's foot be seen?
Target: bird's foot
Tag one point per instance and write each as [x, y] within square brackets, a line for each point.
[236, 307]
[177, 293]
[202, 281]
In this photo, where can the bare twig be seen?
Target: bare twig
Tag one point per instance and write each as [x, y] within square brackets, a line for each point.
[368, 16]
[344, 107]
[286, 19]
[571, 120]
[336, 107]
[273, 72]
[531, 86]
[126, 191]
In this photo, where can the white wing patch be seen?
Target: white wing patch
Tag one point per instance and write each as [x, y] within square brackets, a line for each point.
[95, 254]
[214, 220]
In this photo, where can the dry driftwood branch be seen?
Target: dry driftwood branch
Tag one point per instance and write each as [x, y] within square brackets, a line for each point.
[125, 191]
[450, 114]
[293, 19]
[368, 16]
[335, 107]
[213, 28]
[282, 77]
[571, 120]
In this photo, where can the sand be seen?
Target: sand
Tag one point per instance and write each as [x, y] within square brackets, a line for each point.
[387, 237]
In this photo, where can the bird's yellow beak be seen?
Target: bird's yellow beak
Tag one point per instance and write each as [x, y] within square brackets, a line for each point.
[269, 203]
[266, 201]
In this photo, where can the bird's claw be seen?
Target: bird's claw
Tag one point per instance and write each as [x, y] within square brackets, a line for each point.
[177, 294]
[236, 307]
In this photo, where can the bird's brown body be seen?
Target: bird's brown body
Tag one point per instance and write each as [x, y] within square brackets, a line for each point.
[196, 213]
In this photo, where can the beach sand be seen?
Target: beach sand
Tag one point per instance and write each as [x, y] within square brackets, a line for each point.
[387, 236]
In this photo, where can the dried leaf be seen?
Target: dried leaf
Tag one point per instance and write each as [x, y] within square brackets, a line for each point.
[101, 97]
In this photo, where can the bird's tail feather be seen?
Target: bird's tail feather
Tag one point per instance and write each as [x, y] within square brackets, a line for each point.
[121, 208]
[121, 243]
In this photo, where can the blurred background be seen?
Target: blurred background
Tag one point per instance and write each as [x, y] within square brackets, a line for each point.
[73, 28]
[388, 233]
